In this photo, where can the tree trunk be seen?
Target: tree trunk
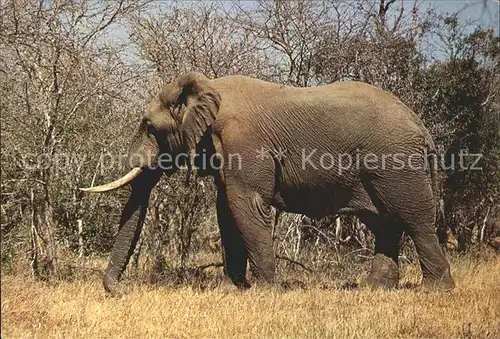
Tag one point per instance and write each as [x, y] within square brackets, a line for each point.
[34, 239]
[49, 231]
[79, 222]
[44, 248]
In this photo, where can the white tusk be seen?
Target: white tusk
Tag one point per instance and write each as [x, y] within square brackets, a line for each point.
[115, 184]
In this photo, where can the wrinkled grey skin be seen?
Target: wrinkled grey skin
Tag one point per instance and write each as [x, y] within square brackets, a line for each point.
[241, 115]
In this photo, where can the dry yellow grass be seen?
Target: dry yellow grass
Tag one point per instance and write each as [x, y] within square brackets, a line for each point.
[80, 309]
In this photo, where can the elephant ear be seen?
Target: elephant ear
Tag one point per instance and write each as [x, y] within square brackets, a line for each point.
[195, 107]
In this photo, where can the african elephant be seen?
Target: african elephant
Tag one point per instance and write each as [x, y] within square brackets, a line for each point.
[300, 150]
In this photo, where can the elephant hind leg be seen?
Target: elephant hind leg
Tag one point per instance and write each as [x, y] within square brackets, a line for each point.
[420, 226]
[435, 268]
[410, 200]
[384, 271]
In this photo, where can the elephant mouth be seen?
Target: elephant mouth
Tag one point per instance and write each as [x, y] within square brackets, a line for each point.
[127, 178]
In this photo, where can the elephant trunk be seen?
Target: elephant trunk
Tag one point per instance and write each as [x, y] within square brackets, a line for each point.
[131, 222]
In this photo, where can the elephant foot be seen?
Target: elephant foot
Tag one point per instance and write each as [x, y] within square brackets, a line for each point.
[112, 286]
[227, 285]
[264, 285]
[443, 284]
[384, 273]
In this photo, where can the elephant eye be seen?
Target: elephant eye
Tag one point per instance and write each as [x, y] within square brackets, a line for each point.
[150, 127]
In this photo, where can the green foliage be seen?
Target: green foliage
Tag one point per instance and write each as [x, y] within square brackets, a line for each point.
[461, 106]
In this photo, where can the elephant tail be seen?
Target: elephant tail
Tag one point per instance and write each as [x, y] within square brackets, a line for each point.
[432, 163]
[444, 233]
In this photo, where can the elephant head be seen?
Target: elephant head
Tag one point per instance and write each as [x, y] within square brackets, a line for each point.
[174, 124]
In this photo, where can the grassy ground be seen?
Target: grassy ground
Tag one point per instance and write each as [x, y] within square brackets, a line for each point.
[80, 309]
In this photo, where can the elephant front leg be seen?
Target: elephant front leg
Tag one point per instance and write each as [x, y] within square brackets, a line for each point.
[234, 251]
[253, 218]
